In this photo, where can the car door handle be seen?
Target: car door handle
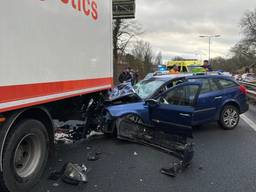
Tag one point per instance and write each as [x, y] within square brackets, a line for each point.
[219, 97]
[185, 114]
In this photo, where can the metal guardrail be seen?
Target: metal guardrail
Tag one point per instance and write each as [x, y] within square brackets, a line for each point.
[251, 88]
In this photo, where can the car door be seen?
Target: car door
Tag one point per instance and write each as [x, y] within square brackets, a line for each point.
[175, 110]
[209, 100]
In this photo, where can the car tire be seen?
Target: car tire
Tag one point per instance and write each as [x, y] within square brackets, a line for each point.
[25, 156]
[128, 117]
[229, 117]
[134, 118]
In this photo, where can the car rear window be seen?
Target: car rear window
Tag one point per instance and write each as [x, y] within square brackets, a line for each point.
[214, 85]
[206, 85]
[224, 83]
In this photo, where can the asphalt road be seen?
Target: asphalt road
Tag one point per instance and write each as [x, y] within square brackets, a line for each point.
[224, 161]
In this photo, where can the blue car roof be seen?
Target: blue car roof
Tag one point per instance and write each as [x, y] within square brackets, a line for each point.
[189, 76]
[170, 77]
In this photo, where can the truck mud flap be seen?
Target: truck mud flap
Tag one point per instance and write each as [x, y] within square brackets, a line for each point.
[143, 134]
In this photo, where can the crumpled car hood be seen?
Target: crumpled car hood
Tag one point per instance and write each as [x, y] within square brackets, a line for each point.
[123, 91]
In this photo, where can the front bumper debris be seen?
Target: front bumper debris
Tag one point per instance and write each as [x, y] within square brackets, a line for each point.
[175, 145]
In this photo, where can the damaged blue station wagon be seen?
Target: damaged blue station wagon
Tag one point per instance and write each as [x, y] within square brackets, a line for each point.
[161, 111]
[175, 104]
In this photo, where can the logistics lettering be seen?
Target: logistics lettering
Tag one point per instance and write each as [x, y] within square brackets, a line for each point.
[87, 7]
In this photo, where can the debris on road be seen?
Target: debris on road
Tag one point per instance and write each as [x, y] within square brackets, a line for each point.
[94, 156]
[70, 173]
[173, 170]
[88, 148]
[172, 144]
[175, 144]
[61, 137]
[55, 184]
[201, 167]
[94, 134]
[73, 130]
[74, 174]
[68, 132]
[185, 162]
[71, 124]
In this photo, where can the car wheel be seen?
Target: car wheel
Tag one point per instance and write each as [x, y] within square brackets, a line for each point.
[125, 127]
[134, 118]
[25, 156]
[129, 117]
[229, 117]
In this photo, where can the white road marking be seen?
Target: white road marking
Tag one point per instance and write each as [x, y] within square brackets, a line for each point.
[249, 121]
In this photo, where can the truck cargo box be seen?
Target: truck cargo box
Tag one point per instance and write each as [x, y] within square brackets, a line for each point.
[53, 49]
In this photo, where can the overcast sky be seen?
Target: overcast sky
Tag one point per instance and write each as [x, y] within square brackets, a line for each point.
[174, 26]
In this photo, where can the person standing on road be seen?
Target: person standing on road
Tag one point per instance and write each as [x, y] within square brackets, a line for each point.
[125, 76]
[207, 66]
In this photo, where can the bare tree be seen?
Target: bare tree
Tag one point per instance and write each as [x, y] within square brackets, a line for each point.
[159, 59]
[244, 52]
[248, 25]
[142, 52]
[123, 32]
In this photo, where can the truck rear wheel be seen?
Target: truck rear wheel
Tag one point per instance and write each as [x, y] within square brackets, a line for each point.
[25, 156]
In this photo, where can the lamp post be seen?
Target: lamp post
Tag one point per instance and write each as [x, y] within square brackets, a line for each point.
[210, 40]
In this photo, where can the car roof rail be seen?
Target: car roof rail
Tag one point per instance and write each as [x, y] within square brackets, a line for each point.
[201, 73]
[208, 73]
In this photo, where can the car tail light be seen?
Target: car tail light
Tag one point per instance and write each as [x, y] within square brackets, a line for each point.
[243, 89]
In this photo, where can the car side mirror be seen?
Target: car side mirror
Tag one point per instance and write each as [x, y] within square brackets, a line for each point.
[151, 102]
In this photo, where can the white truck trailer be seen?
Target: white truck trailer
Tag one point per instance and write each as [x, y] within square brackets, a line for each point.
[51, 52]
